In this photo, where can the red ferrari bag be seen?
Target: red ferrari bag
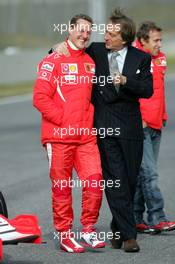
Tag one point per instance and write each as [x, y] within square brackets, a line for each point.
[21, 229]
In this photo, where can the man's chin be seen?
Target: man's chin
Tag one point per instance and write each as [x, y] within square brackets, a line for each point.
[83, 46]
[80, 47]
[107, 46]
[156, 53]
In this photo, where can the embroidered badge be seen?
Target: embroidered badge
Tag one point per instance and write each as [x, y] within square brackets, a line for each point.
[44, 75]
[48, 66]
[68, 68]
[90, 68]
[160, 61]
[70, 78]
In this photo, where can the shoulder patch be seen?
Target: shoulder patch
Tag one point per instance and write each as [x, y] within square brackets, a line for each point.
[48, 66]
[44, 75]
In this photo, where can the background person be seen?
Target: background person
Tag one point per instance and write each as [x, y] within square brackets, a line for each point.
[154, 117]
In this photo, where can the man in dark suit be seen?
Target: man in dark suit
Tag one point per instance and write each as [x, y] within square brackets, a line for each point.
[117, 109]
[117, 106]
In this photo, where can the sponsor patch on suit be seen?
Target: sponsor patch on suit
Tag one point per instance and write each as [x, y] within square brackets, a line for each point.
[69, 68]
[90, 68]
[160, 61]
[48, 66]
[44, 75]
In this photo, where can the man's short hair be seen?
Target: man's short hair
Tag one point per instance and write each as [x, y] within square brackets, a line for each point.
[127, 26]
[75, 18]
[144, 29]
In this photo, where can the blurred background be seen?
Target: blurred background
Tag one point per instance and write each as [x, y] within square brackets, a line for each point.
[28, 28]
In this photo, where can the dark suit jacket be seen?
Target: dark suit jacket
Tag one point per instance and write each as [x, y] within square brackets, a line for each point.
[121, 110]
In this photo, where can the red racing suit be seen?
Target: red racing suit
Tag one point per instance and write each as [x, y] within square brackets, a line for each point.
[62, 94]
[153, 110]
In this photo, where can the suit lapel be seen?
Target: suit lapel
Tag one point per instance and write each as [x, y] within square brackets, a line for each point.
[130, 61]
[105, 60]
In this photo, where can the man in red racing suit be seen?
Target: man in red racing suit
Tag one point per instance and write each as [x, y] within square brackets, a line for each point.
[154, 116]
[62, 94]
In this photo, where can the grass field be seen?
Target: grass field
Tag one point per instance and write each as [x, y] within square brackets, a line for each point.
[17, 89]
[171, 64]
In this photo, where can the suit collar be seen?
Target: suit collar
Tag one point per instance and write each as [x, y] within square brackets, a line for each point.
[123, 52]
[130, 61]
[106, 62]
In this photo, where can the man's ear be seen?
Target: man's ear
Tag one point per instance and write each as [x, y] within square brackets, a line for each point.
[143, 41]
[123, 42]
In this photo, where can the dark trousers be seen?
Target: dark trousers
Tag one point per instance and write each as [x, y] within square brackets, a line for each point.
[121, 161]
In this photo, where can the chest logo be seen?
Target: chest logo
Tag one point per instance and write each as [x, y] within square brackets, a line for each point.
[90, 68]
[68, 68]
[160, 61]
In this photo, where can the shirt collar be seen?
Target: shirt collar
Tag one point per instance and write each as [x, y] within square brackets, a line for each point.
[72, 45]
[73, 49]
[123, 52]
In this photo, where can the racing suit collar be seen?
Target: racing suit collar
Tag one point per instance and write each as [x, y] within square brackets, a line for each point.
[72, 49]
[138, 45]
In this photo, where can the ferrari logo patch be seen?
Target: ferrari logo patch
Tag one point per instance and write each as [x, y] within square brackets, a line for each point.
[90, 68]
[160, 61]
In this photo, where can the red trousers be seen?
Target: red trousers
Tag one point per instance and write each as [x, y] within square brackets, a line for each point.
[85, 158]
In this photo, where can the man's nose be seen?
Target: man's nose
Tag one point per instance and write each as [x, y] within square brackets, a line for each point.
[106, 36]
[85, 35]
[159, 43]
